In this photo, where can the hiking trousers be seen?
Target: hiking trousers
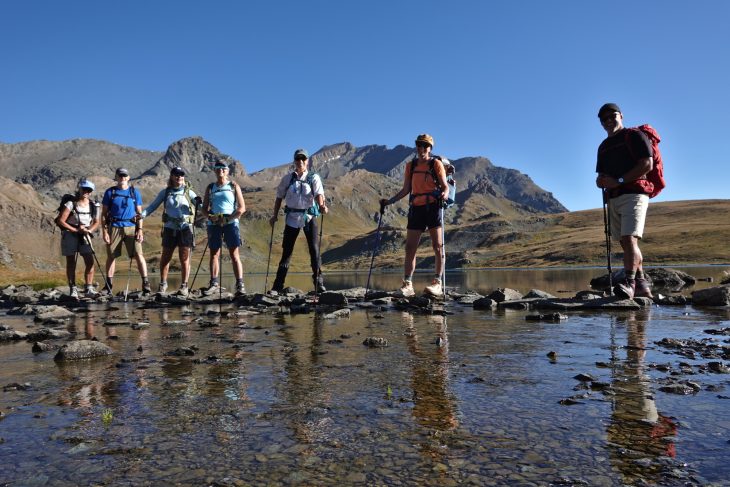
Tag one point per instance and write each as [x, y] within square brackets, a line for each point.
[290, 237]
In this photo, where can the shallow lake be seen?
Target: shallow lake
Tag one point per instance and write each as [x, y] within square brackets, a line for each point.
[471, 397]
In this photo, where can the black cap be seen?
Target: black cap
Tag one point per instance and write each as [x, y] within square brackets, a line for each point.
[608, 107]
[177, 171]
[122, 171]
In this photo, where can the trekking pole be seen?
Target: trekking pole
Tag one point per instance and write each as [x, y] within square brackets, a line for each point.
[192, 285]
[608, 241]
[319, 263]
[268, 262]
[375, 248]
[129, 276]
[443, 253]
[93, 252]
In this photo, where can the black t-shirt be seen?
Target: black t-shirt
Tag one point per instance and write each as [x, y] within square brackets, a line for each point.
[614, 156]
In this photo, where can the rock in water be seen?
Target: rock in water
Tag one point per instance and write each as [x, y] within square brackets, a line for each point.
[375, 342]
[82, 349]
[713, 296]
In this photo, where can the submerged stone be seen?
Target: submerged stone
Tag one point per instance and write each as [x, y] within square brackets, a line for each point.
[82, 349]
[375, 342]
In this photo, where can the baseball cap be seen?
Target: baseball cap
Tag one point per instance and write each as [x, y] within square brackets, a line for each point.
[220, 165]
[122, 171]
[425, 138]
[301, 152]
[608, 107]
[177, 171]
[85, 183]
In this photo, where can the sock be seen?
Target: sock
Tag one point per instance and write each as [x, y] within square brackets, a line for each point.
[631, 275]
[183, 284]
[640, 274]
[239, 280]
[437, 277]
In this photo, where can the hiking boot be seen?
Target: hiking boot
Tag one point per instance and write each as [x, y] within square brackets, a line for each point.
[625, 289]
[74, 293]
[162, 288]
[146, 288]
[240, 289]
[90, 292]
[213, 288]
[319, 284]
[435, 288]
[183, 292]
[643, 289]
[406, 290]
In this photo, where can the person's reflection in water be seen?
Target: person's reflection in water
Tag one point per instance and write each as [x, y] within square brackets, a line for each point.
[305, 400]
[434, 408]
[637, 430]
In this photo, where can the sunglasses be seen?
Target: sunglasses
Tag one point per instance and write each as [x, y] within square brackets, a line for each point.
[178, 175]
[220, 168]
[606, 118]
[87, 190]
[422, 145]
[300, 158]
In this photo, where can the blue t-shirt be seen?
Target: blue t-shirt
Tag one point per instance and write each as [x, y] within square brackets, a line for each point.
[121, 208]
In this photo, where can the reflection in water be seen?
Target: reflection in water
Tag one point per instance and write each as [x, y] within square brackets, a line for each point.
[637, 430]
[434, 408]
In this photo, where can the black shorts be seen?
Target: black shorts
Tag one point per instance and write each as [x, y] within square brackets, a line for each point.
[423, 217]
[177, 238]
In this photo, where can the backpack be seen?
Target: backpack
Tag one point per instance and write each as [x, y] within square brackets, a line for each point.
[93, 209]
[131, 196]
[449, 169]
[655, 177]
[189, 219]
[312, 210]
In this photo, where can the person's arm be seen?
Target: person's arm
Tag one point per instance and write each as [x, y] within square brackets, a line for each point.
[318, 189]
[154, 205]
[441, 176]
[138, 226]
[206, 202]
[405, 190]
[277, 207]
[105, 224]
[240, 203]
[61, 220]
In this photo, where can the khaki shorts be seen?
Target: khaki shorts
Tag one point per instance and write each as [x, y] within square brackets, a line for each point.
[123, 235]
[627, 214]
[71, 243]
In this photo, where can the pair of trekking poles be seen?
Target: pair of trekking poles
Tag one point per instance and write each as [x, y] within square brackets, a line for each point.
[443, 249]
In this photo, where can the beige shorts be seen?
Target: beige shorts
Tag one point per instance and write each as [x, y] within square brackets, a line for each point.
[71, 243]
[627, 214]
[123, 235]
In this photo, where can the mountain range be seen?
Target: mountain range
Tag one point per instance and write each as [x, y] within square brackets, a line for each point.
[498, 212]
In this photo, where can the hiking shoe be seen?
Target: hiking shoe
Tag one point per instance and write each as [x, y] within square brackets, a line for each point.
[625, 289]
[146, 288]
[162, 288]
[240, 288]
[406, 290]
[183, 292]
[643, 289]
[435, 288]
[213, 288]
[74, 292]
[90, 292]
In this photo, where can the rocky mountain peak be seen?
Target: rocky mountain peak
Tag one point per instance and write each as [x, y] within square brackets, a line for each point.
[195, 155]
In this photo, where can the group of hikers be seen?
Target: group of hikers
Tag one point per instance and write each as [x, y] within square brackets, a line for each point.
[624, 160]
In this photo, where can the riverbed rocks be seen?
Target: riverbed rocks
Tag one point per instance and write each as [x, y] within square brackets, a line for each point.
[333, 298]
[660, 278]
[340, 313]
[10, 335]
[505, 294]
[713, 296]
[375, 342]
[81, 350]
[484, 303]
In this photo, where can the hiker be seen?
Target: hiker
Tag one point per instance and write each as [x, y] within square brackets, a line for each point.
[178, 217]
[120, 226]
[425, 180]
[624, 158]
[78, 219]
[223, 205]
[303, 195]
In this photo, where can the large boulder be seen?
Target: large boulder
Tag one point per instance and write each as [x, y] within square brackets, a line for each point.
[333, 298]
[713, 296]
[505, 294]
[82, 349]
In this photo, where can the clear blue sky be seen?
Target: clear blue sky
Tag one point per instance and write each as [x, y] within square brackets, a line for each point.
[519, 82]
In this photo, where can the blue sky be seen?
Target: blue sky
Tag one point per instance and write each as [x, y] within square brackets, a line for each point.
[516, 81]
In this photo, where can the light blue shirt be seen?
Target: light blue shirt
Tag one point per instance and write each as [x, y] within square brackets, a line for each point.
[176, 207]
